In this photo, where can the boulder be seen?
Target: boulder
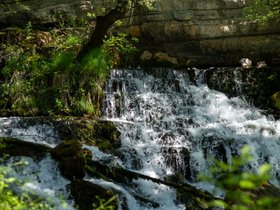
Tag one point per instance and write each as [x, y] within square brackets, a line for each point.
[71, 159]
[88, 195]
[100, 133]
[16, 147]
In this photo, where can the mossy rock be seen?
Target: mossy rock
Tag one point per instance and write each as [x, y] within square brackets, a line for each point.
[275, 99]
[99, 133]
[106, 136]
[16, 147]
[88, 195]
[71, 159]
[67, 148]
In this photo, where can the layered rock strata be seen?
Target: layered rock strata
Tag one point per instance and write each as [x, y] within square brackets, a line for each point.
[174, 32]
[203, 33]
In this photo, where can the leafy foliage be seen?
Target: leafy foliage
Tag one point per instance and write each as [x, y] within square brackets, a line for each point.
[10, 200]
[105, 205]
[120, 48]
[42, 75]
[241, 186]
[264, 10]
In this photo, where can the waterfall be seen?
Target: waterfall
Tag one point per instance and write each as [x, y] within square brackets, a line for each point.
[39, 176]
[173, 127]
[172, 124]
[26, 130]
[42, 178]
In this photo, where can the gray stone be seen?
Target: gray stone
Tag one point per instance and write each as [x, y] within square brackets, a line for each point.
[195, 32]
[206, 33]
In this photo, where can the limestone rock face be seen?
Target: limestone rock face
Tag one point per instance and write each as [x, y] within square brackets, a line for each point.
[205, 33]
[178, 32]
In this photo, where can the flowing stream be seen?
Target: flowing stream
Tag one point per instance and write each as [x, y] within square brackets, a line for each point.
[39, 176]
[171, 125]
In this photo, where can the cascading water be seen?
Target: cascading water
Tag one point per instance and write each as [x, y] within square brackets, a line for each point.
[171, 126]
[17, 127]
[39, 176]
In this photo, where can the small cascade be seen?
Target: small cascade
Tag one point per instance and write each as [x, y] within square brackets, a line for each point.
[173, 127]
[29, 130]
[41, 178]
[238, 81]
[172, 124]
[36, 176]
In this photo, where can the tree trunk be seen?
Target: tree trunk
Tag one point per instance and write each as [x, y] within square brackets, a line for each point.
[103, 24]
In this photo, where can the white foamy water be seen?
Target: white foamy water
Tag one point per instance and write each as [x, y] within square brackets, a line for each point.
[22, 129]
[170, 125]
[161, 196]
[41, 178]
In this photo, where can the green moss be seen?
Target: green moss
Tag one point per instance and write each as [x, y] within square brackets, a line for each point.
[102, 134]
[71, 159]
[275, 99]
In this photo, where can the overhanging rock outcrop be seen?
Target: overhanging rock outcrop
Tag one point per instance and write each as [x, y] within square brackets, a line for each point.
[203, 33]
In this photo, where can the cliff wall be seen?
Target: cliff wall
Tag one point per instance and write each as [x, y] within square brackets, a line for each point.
[204, 33]
[176, 32]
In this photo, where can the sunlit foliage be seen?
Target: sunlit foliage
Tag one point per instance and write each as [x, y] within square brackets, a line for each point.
[264, 10]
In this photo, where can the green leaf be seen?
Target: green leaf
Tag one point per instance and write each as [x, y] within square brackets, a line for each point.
[247, 184]
[10, 180]
[218, 203]
[264, 169]
[265, 201]
[245, 150]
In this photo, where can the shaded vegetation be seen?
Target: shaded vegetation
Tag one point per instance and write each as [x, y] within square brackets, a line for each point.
[244, 190]
[41, 75]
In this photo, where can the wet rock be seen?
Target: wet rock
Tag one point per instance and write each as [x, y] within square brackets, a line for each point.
[192, 202]
[261, 64]
[87, 195]
[130, 157]
[179, 160]
[255, 85]
[106, 136]
[102, 134]
[16, 147]
[217, 151]
[187, 194]
[246, 63]
[71, 159]
[164, 58]
[146, 55]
